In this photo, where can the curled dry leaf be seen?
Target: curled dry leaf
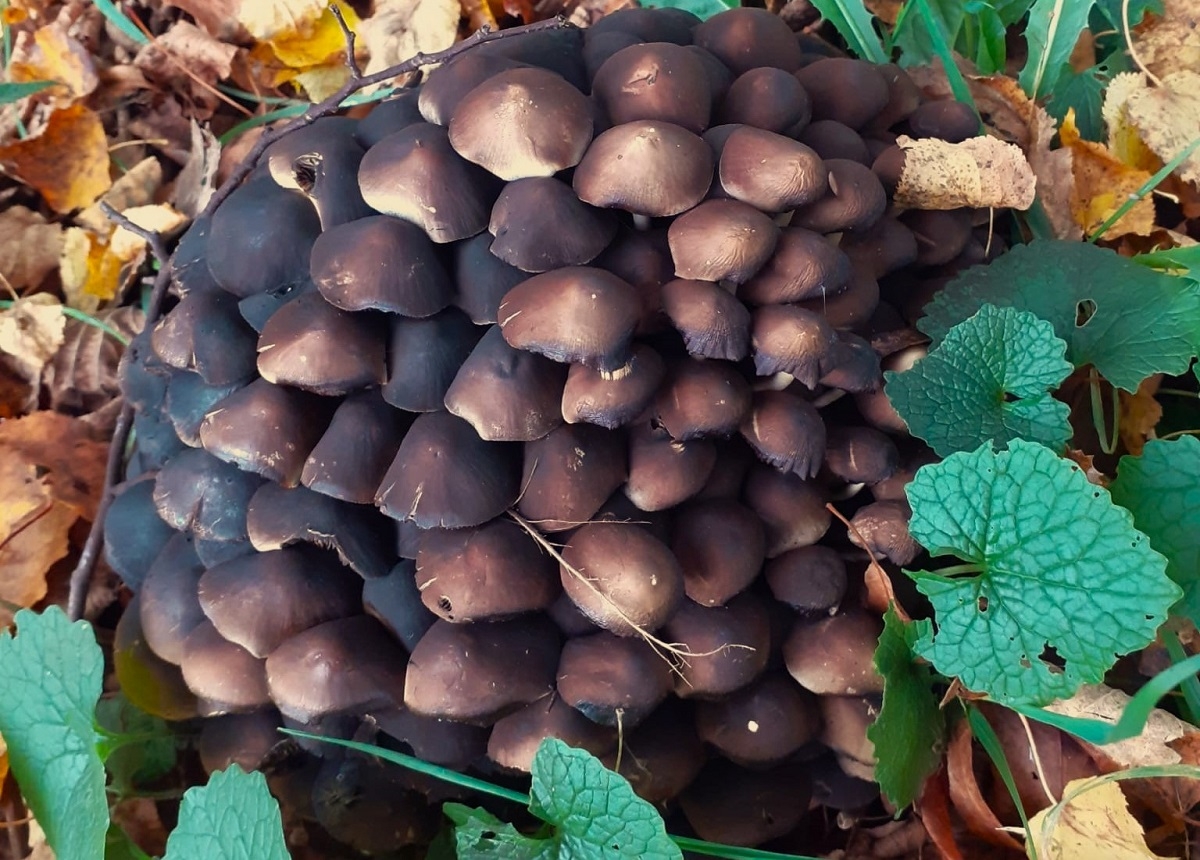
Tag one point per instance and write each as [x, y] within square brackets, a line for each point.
[31, 331]
[218, 18]
[1102, 184]
[187, 60]
[67, 163]
[1094, 822]
[980, 172]
[933, 808]
[401, 28]
[50, 54]
[29, 247]
[1171, 41]
[966, 795]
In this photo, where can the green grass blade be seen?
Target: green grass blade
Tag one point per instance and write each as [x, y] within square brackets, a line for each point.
[117, 18]
[852, 20]
[10, 93]
[958, 84]
[257, 98]
[1190, 686]
[1052, 31]
[76, 314]
[1148, 186]
[986, 735]
[255, 121]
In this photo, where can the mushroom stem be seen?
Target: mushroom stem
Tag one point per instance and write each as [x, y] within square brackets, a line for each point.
[641, 222]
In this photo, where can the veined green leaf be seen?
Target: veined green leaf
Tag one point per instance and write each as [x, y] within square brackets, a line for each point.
[234, 817]
[1053, 29]
[856, 25]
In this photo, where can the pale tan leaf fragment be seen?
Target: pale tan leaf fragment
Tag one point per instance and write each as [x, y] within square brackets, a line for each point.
[32, 330]
[29, 247]
[980, 172]
[1094, 823]
[1172, 41]
[1168, 119]
[82, 377]
[128, 247]
[50, 54]
[136, 187]
[198, 179]
[1099, 702]
[401, 28]
[218, 18]
[1124, 140]
[67, 163]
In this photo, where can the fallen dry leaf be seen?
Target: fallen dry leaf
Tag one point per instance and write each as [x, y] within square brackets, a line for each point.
[218, 18]
[308, 52]
[198, 179]
[67, 163]
[29, 247]
[82, 377]
[188, 61]
[965, 793]
[1124, 140]
[1167, 118]
[136, 187]
[1171, 41]
[1102, 185]
[31, 331]
[981, 172]
[1140, 414]
[933, 808]
[401, 28]
[50, 54]
[1094, 822]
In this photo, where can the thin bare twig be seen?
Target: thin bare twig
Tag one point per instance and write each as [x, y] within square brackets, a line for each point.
[349, 36]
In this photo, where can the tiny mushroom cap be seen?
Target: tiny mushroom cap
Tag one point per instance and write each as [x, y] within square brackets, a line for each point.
[279, 517]
[611, 680]
[189, 399]
[621, 577]
[855, 201]
[835, 656]
[612, 401]
[424, 356]
[861, 455]
[701, 399]
[205, 333]
[147, 680]
[663, 471]
[134, 533]
[225, 676]
[442, 742]
[484, 573]
[728, 646]
[169, 604]
[654, 81]
[721, 240]
[445, 476]
[645, 167]
[810, 579]
[348, 664]
[258, 600]
[380, 263]
[745, 39]
[356, 449]
[478, 672]
[884, 528]
[947, 119]
[197, 493]
[395, 602]
[790, 339]
[242, 739]
[447, 85]
[766, 98]
[736, 806]
[521, 123]
[805, 265]
[846, 720]
[648, 25]
[720, 546]
[769, 171]
[786, 431]
[507, 394]
[481, 278]
[311, 345]
[762, 723]
[416, 175]
[388, 117]
[832, 139]
[157, 442]
[540, 224]
[568, 474]
[515, 739]
[852, 92]
[714, 324]
[574, 314]
[266, 429]
[792, 510]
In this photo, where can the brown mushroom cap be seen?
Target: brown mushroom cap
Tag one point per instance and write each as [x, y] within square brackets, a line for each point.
[792, 510]
[349, 664]
[701, 398]
[169, 605]
[734, 459]
[395, 602]
[861, 455]
[621, 576]
[258, 600]
[522, 122]
[846, 720]
[507, 394]
[189, 399]
[855, 200]
[852, 92]
[663, 471]
[728, 645]
[713, 323]
[481, 278]
[446, 86]
[515, 739]
[540, 224]
[645, 167]
[575, 314]
[941, 234]
[484, 573]
[478, 672]
[762, 723]
[810, 579]
[769, 171]
[884, 527]
[424, 356]
[884, 248]
[611, 680]
[831, 139]
[904, 96]
[568, 474]
[720, 546]
[663, 755]
[242, 739]
[641, 258]
[745, 39]
[442, 742]
[835, 656]
[445, 476]
[656, 81]
[786, 431]
[853, 365]
[947, 119]
[721, 240]
[225, 676]
[836, 789]
[599, 45]
[197, 493]
[389, 116]
[322, 160]
[356, 449]
[805, 265]
[134, 533]
[612, 401]
[148, 681]
[735, 806]
[648, 24]
[205, 333]
[790, 339]
[766, 98]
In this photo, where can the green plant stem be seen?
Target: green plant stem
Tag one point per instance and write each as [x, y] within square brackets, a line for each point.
[1178, 392]
[956, 569]
[1147, 186]
[730, 852]
[1190, 686]
[986, 735]
[1108, 443]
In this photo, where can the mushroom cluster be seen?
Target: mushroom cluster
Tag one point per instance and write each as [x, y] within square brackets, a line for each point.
[512, 410]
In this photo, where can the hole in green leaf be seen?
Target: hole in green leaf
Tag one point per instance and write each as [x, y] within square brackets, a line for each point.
[1052, 659]
[982, 603]
[1085, 309]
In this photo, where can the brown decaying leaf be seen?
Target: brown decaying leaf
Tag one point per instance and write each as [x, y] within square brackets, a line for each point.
[1140, 414]
[31, 331]
[83, 374]
[980, 172]
[965, 793]
[197, 181]
[218, 18]
[136, 187]
[29, 247]
[50, 54]
[1171, 42]
[183, 49]
[933, 808]
[67, 163]
[401, 28]
[1102, 184]
[1087, 463]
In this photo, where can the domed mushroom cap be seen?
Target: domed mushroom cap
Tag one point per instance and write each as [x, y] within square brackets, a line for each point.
[663, 471]
[481, 278]
[356, 449]
[395, 602]
[719, 544]
[728, 645]
[855, 200]
[568, 474]
[205, 333]
[349, 664]
[846, 720]
[735, 806]
[884, 528]
[734, 459]
[947, 119]
[786, 431]
[762, 723]
[478, 672]
[654, 81]
[769, 171]
[621, 576]
[380, 263]
[322, 160]
[540, 224]
[713, 323]
[197, 493]
[507, 394]
[424, 356]
[599, 45]
[792, 509]
[134, 533]
[442, 742]
[445, 476]
[150, 682]
[852, 365]
[790, 339]
[169, 605]
[861, 455]
[836, 789]
[260, 307]
[258, 600]
[849, 91]
[610, 400]
[612, 680]
[189, 399]
[484, 573]
[941, 234]
[805, 265]
[242, 739]
[810, 579]
[223, 675]
[884, 248]
[522, 122]
[745, 39]
[645, 167]
[575, 314]
[835, 656]
[831, 139]
[663, 755]
[389, 116]
[721, 240]
[766, 98]
[416, 175]
[515, 739]
[643, 259]
[702, 398]
[648, 25]
[447, 85]
[157, 442]
[141, 374]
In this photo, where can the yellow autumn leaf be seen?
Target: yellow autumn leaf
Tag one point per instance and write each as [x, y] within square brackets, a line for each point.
[1094, 822]
[90, 275]
[1124, 140]
[1102, 183]
[50, 54]
[1167, 117]
[316, 41]
[67, 162]
[300, 43]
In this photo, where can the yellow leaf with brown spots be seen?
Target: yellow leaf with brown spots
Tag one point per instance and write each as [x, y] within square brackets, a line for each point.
[50, 54]
[1102, 184]
[67, 163]
[1093, 822]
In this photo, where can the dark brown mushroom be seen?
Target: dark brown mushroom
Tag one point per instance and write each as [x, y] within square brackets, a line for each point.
[734, 459]
[846, 720]
[151, 683]
[445, 476]
[721, 240]
[169, 604]
[598, 46]
[214, 552]
[805, 265]
[941, 234]
[656, 81]
[446, 86]
[481, 278]
[134, 533]
[642, 258]
[946, 119]
[621, 577]
[370, 807]
[389, 116]
[225, 677]
[701, 399]
[568, 474]
[205, 333]
[831, 139]
[786, 431]
[539, 224]
[356, 449]
[904, 96]
[142, 375]
[760, 724]
[478, 672]
[852, 306]
[853, 365]
[861, 455]
[157, 442]
[766, 98]
[836, 789]
[242, 739]
[515, 739]
[485, 573]
[852, 92]
[557, 49]
[189, 399]
[569, 620]
[790, 339]
[612, 401]
[769, 171]
[189, 260]
[744, 39]
[197, 493]
[649, 25]
[884, 248]
[855, 200]
[835, 656]
[663, 755]
[720, 546]
[447, 743]
[792, 510]
[735, 806]
[395, 602]
[321, 160]
[611, 680]
[260, 307]
[884, 528]
[727, 646]
[424, 356]
[810, 579]
[713, 323]
[663, 471]
[259, 600]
